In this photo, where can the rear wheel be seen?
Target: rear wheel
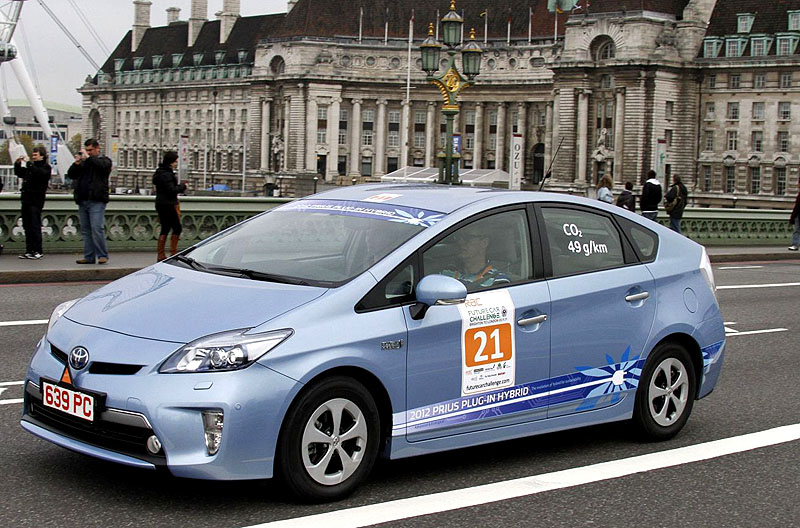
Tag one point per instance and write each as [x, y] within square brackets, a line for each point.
[666, 393]
[329, 440]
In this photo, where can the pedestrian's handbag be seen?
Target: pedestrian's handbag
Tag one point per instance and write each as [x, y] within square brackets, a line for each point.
[669, 206]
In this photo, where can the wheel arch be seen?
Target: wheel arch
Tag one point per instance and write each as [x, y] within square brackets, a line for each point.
[692, 347]
[371, 382]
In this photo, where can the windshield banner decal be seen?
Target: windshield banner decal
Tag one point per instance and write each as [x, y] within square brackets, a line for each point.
[381, 211]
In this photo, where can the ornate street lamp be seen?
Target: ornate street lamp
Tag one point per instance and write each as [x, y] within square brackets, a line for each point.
[451, 82]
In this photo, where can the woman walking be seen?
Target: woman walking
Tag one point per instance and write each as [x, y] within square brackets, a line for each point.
[167, 190]
[35, 176]
[604, 187]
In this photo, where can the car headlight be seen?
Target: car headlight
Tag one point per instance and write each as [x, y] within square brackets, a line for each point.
[60, 310]
[222, 352]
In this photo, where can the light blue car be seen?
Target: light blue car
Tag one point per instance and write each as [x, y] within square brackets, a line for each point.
[381, 320]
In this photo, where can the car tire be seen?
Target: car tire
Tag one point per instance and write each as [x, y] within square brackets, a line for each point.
[666, 393]
[318, 463]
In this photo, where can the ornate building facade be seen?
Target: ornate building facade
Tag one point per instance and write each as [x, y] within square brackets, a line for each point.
[618, 87]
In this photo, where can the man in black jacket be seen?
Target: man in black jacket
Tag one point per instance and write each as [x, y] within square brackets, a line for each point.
[627, 199]
[651, 196]
[676, 199]
[90, 176]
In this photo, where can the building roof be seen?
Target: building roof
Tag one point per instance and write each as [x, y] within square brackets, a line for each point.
[770, 17]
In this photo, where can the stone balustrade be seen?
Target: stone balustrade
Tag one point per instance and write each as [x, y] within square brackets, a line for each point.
[132, 223]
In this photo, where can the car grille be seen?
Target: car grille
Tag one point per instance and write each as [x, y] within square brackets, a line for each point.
[98, 367]
[125, 438]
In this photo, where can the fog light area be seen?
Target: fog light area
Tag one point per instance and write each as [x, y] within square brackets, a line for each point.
[212, 425]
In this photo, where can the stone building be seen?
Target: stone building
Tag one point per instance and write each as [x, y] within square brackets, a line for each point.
[618, 86]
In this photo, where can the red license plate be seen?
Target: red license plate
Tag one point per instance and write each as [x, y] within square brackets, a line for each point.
[69, 401]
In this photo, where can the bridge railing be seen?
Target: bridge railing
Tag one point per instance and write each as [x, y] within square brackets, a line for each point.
[132, 223]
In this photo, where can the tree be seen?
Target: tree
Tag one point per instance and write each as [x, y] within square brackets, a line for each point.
[75, 143]
[24, 139]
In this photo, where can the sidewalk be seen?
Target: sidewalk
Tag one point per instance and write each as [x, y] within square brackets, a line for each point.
[60, 267]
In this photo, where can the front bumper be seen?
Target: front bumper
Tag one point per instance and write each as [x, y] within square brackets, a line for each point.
[144, 403]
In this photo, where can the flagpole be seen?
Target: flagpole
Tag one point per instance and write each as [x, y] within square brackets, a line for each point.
[410, 41]
[462, 27]
[508, 37]
[437, 24]
[360, 23]
[386, 29]
[530, 16]
[485, 25]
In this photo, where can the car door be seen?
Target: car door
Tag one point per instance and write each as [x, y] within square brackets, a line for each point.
[481, 364]
[602, 308]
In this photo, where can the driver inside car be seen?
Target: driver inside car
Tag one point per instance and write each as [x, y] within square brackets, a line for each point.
[474, 266]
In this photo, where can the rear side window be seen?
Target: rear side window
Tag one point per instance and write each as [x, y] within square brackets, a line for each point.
[580, 241]
[644, 241]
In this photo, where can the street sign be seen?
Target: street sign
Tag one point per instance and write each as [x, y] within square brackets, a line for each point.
[183, 158]
[54, 153]
[517, 163]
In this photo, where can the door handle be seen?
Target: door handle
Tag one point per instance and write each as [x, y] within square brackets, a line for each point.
[532, 320]
[637, 296]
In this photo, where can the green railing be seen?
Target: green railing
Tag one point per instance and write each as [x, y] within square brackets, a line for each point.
[131, 221]
[132, 224]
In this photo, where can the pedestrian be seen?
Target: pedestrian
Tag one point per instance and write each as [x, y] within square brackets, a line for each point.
[91, 195]
[604, 187]
[626, 199]
[794, 220]
[35, 175]
[167, 205]
[651, 196]
[675, 203]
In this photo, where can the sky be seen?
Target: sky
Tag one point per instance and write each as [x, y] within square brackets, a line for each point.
[56, 65]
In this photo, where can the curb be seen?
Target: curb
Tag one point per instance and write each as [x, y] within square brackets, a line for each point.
[44, 276]
[753, 257]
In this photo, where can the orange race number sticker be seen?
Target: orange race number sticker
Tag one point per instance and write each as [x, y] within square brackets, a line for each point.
[487, 344]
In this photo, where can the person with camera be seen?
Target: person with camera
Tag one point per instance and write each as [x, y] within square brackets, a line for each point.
[91, 194]
[167, 206]
[675, 203]
[35, 175]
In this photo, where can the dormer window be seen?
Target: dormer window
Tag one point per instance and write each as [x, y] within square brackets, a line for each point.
[759, 45]
[745, 22]
[786, 43]
[157, 61]
[734, 46]
[118, 64]
[197, 58]
[219, 57]
[242, 56]
[794, 20]
[176, 59]
[711, 47]
[137, 63]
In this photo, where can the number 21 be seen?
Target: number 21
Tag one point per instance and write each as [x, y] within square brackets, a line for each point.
[480, 357]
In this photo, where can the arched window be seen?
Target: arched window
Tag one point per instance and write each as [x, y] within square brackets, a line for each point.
[277, 66]
[603, 48]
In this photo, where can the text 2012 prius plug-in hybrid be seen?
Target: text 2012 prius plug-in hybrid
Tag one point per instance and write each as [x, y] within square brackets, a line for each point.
[391, 320]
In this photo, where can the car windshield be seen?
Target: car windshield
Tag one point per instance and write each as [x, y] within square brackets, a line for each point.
[314, 242]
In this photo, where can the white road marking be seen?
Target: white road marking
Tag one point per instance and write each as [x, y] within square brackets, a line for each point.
[744, 286]
[23, 323]
[7, 383]
[9, 402]
[467, 497]
[751, 332]
[739, 267]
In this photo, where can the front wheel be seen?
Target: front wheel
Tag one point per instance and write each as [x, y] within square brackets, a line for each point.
[329, 441]
[666, 392]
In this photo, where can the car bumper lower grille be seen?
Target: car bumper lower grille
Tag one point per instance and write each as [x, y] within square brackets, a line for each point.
[118, 431]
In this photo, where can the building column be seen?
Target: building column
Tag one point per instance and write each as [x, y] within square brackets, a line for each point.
[265, 134]
[334, 111]
[500, 153]
[522, 120]
[548, 131]
[380, 139]
[355, 139]
[311, 134]
[287, 105]
[430, 123]
[554, 128]
[583, 133]
[619, 131]
[405, 117]
[477, 153]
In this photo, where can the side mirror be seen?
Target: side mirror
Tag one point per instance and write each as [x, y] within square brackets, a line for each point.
[437, 289]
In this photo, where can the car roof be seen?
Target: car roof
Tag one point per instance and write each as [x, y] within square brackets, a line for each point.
[431, 197]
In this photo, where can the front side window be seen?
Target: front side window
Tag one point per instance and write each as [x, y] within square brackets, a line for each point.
[489, 252]
[316, 242]
[580, 241]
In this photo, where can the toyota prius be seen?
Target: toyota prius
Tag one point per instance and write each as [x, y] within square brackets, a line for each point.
[381, 320]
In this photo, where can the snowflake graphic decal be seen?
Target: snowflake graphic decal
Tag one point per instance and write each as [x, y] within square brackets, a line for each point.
[618, 378]
[420, 219]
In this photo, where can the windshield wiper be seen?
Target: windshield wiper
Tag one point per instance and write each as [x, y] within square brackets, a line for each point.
[259, 275]
[190, 261]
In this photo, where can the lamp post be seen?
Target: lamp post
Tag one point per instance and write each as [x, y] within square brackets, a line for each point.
[451, 82]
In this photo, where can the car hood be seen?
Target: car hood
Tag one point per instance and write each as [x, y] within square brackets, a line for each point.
[169, 303]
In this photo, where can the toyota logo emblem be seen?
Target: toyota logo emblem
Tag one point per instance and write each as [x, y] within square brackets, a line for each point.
[78, 358]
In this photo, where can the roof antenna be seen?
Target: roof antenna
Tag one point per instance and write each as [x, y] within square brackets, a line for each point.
[549, 171]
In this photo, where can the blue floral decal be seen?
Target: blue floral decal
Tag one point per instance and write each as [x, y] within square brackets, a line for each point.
[422, 218]
[380, 211]
[620, 377]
